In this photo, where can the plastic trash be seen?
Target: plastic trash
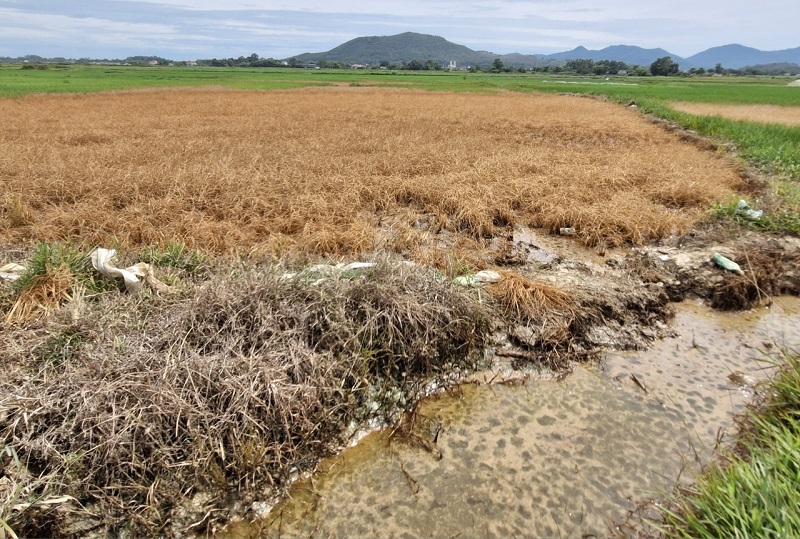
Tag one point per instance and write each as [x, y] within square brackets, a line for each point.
[488, 276]
[479, 279]
[727, 263]
[744, 209]
[11, 272]
[135, 276]
[567, 231]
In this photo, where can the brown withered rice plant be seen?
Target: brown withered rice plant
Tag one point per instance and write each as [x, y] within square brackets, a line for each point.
[323, 170]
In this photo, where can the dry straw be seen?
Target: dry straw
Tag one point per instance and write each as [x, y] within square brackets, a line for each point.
[523, 298]
[136, 408]
[42, 295]
[328, 170]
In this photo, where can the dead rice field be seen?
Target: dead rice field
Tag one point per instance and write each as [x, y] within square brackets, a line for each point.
[773, 114]
[152, 417]
[342, 170]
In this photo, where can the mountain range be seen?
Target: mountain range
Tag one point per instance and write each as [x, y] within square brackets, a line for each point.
[408, 46]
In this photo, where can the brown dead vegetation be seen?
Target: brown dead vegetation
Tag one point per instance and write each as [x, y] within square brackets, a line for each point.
[319, 170]
[42, 296]
[523, 298]
[137, 406]
[774, 114]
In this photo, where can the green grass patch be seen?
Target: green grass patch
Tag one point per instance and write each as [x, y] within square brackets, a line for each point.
[15, 82]
[758, 492]
[773, 147]
[784, 219]
[174, 255]
[58, 78]
[48, 257]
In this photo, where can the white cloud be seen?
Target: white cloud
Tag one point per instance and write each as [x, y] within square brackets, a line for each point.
[223, 28]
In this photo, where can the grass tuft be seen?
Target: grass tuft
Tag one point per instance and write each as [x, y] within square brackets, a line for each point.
[524, 299]
[53, 274]
[754, 493]
[174, 255]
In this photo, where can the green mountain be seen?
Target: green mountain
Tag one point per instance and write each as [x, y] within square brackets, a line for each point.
[408, 46]
[624, 53]
[737, 56]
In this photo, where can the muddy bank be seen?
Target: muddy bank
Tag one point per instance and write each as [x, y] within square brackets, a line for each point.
[250, 374]
[770, 266]
[568, 458]
[623, 294]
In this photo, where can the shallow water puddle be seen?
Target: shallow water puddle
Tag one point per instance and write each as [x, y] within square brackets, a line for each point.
[550, 458]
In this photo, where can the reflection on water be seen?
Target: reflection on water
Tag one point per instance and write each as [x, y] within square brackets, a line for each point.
[549, 458]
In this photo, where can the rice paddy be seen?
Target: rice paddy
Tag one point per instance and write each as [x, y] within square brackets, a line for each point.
[752, 113]
[343, 170]
[231, 194]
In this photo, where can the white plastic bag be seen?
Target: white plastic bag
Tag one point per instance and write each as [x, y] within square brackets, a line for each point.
[135, 276]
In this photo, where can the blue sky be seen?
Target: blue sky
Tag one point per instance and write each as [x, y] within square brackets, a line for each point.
[190, 29]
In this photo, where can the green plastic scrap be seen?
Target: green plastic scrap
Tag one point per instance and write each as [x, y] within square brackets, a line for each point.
[727, 263]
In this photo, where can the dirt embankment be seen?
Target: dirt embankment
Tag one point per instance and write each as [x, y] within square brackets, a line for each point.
[130, 412]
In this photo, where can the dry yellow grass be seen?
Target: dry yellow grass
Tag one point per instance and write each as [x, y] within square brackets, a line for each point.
[774, 114]
[44, 294]
[522, 297]
[337, 170]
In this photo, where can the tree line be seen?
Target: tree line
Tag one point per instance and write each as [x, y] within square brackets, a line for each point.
[664, 66]
[584, 66]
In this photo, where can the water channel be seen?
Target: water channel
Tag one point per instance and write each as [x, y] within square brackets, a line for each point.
[547, 458]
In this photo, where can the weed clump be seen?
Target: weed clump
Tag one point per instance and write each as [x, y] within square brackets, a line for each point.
[764, 275]
[523, 298]
[54, 274]
[228, 392]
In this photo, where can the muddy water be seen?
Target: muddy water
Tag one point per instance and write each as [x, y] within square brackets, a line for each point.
[548, 458]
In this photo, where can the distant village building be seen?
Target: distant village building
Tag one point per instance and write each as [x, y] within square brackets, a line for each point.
[153, 62]
[452, 65]
[191, 62]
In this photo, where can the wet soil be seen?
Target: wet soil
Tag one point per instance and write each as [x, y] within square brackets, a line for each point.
[567, 458]
[522, 453]
[540, 444]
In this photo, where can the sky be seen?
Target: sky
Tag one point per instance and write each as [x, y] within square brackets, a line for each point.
[192, 29]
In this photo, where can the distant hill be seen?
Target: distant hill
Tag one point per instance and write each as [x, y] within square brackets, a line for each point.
[622, 53]
[398, 49]
[402, 48]
[738, 56]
